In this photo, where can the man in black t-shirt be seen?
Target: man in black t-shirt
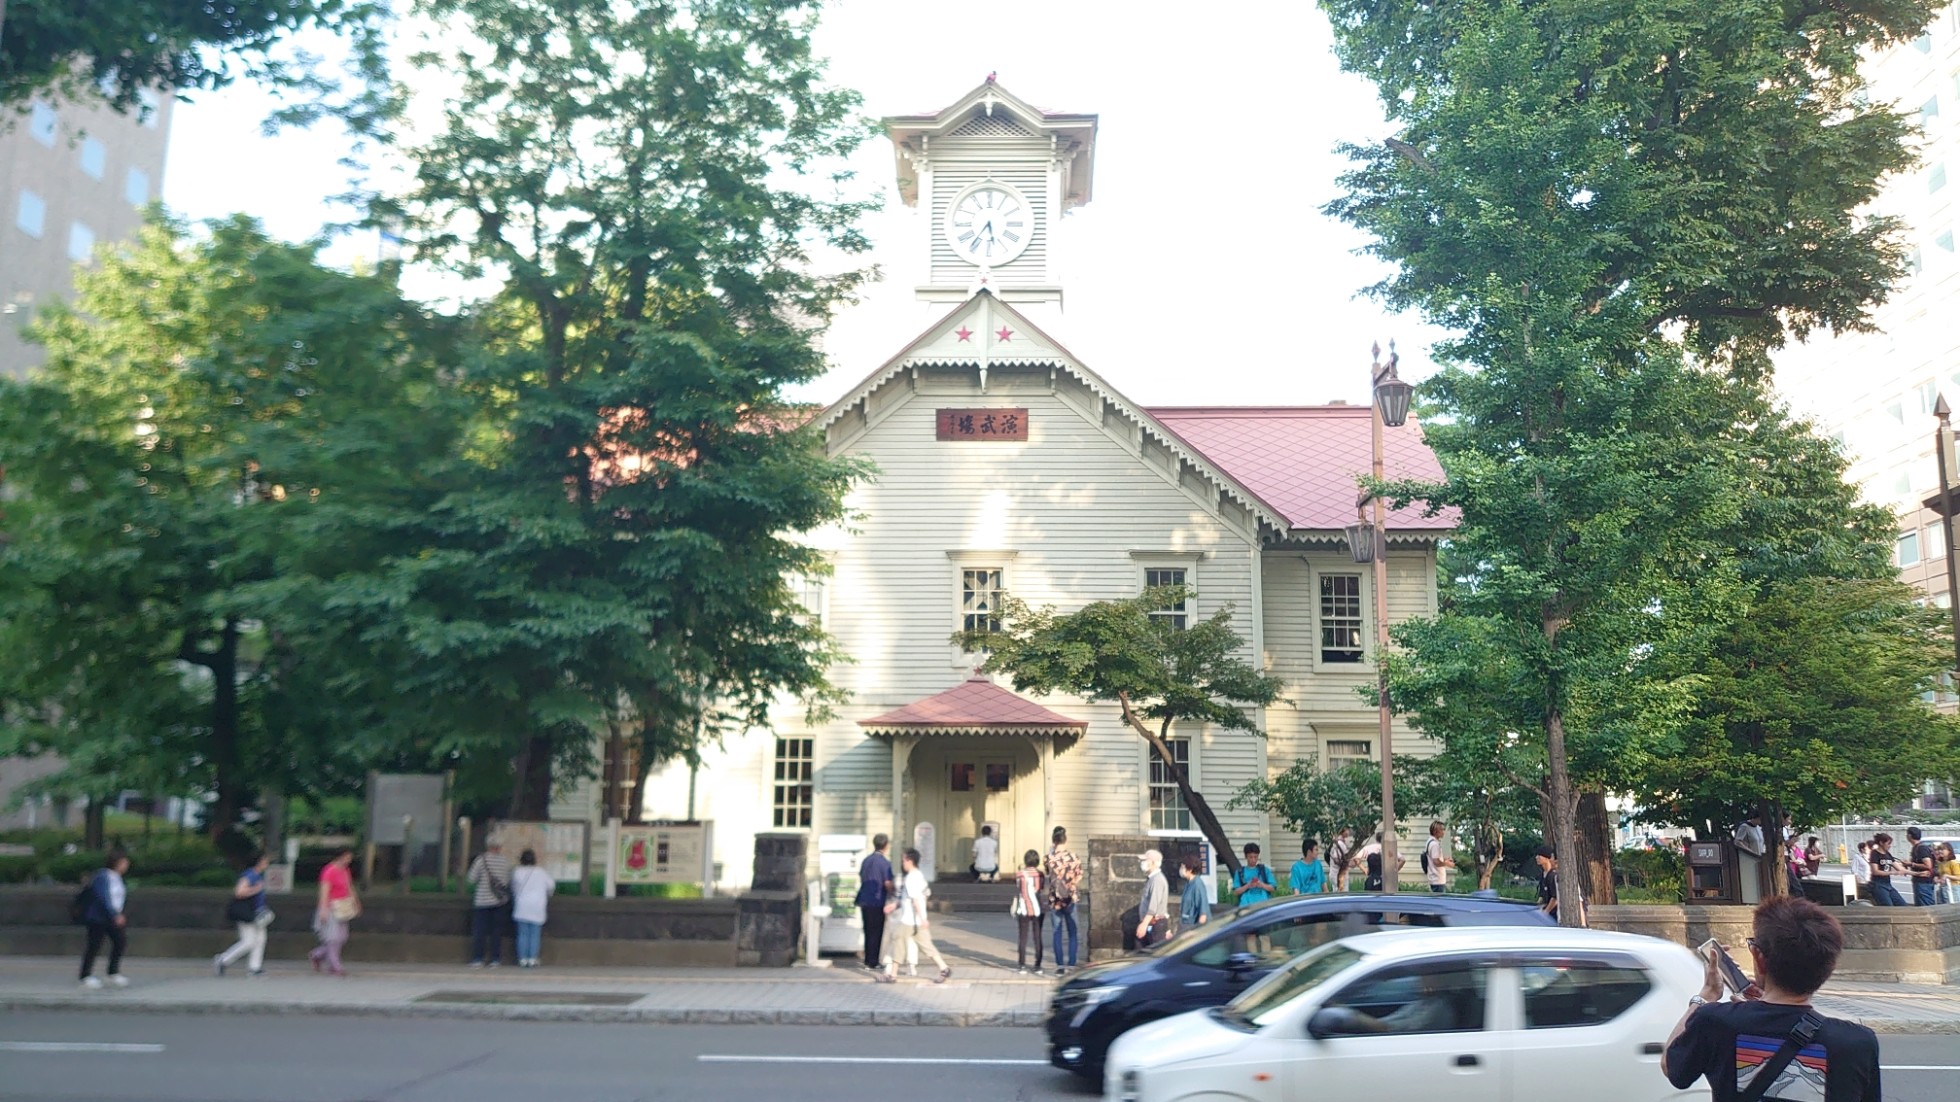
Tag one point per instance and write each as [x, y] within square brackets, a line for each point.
[1922, 867]
[1795, 949]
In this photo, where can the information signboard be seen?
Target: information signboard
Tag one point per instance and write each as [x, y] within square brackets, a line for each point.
[677, 853]
[560, 846]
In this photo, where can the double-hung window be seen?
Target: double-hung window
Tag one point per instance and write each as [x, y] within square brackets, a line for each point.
[1340, 618]
[795, 788]
[1167, 810]
[981, 591]
[1177, 613]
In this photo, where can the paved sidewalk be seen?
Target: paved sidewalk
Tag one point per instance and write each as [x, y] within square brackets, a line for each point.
[985, 989]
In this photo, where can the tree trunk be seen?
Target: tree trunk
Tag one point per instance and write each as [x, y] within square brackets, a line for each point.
[1490, 845]
[223, 664]
[1561, 808]
[1776, 856]
[530, 799]
[92, 824]
[1200, 810]
[1596, 847]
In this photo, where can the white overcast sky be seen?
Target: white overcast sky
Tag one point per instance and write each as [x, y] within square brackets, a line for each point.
[1202, 272]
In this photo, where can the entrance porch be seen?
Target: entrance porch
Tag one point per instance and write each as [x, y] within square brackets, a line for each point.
[975, 755]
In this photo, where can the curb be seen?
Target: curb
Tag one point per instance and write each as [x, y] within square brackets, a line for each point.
[523, 1013]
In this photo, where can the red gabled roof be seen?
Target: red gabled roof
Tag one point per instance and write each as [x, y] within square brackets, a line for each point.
[1303, 461]
[973, 706]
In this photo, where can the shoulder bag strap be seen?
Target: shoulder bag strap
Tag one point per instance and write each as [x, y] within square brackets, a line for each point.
[1806, 1029]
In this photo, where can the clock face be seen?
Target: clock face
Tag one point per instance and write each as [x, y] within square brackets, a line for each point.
[989, 224]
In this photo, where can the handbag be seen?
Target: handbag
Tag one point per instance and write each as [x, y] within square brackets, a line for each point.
[240, 910]
[344, 909]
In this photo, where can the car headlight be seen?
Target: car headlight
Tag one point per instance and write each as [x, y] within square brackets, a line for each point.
[1130, 1087]
[1092, 998]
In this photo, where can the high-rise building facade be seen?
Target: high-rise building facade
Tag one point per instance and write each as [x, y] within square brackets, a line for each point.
[1875, 392]
[73, 175]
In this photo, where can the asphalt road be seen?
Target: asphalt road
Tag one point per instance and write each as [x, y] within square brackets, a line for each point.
[64, 1057]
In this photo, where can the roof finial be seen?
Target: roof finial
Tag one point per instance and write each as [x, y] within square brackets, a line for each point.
[991, 75]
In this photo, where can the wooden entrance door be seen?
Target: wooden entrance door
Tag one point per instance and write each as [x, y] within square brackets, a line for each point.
[979, 789]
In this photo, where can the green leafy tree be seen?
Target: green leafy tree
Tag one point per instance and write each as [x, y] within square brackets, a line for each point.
[646, 184]
[1607, 204]
[1160, 676]
[123, 47]
[217, 417]
[1319, 802]
[1477, 795]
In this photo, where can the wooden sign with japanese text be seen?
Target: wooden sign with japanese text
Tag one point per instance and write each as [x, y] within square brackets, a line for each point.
[983, 424]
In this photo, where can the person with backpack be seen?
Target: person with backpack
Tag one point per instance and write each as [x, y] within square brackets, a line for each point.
[1027, 911]
[1769, 1042]
[1253, 882]
[489, 877]
[99, 907]
[1436, 859]
[1060, 874]
[247, 911]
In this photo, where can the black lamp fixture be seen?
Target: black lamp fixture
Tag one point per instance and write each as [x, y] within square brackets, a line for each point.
[1392, 395]
[1361, 539]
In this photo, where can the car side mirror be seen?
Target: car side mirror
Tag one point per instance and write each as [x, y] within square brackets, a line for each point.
[1241, 962]
[1331, 1021]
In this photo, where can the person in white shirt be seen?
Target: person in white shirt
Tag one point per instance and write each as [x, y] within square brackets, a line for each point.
[1861, 869]
[1436, 860]
[986, 856]
[910, 922]
[1749, 836]
[530, 887]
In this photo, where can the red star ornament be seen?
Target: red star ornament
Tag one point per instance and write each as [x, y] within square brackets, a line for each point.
[1005, 333]
[963, 333]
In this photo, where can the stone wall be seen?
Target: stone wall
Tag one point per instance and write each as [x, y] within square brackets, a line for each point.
[1112, 887]
[1883, 944]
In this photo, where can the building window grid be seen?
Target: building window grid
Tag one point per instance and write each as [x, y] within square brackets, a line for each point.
[1936, 178]
[1340, 618]
[81, 242]
[31, 213]
[41, 123]
[1167, 810]
[1933, 543]
[1908, 553]
[94, 158]
[1342, 752]
[981, 593]
[136, 187]
[793, 801]
[1177, 614]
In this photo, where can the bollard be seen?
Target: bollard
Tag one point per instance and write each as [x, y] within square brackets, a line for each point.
[408, 850]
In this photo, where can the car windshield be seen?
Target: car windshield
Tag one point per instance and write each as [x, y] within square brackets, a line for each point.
[1295, 979]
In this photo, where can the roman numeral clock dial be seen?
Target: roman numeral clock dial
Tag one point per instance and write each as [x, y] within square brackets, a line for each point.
[989, 224]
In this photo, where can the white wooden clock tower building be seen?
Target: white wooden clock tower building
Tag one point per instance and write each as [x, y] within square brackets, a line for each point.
[1005, 464]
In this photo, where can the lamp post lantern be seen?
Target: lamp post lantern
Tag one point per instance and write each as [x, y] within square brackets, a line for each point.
[1368, 541]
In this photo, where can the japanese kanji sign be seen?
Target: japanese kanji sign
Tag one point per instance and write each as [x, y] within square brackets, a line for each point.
[983, 424]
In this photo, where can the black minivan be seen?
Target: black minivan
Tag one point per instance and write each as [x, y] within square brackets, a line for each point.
[1210, 964]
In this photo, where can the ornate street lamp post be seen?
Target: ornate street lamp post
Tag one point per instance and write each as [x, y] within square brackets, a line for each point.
[1942, 438]
[1368, 541]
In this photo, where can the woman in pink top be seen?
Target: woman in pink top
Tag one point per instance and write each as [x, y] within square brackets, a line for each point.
[1027, 910]
[336, 908]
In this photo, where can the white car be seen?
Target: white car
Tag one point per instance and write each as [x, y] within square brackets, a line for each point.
[1491, 1014]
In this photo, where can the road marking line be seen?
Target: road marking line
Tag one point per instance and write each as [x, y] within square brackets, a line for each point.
[712, 1059]
[1919, 1067]
[77, 1046]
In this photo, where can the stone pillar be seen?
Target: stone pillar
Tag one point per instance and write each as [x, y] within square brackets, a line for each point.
[1112, 886]
[769, 917]
[780, 861]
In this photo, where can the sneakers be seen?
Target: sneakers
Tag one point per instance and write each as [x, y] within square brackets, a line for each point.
[1021, 972]
[256, 972]
[476, 964]
[1037, 972]
[218, 965]
[884, 977]
[492, 964]
[944, 975]
[91, 983]
[119, 980]
[1059, 972]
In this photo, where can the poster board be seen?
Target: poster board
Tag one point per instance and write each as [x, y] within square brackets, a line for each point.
[561, 845]
[392, 796]
[674, 853]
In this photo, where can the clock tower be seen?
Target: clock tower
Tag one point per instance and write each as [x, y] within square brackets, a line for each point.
[991, 175]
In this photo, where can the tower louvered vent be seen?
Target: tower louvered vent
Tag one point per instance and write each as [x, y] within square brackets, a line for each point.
[990, 126]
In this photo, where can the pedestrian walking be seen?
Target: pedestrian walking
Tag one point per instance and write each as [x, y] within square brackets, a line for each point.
[913, 925]
[1153, 909]
[1885, 864]
[1253, 882]
[1309, 876]
[530, 890]
[1194, 909]
[1861, 869]
[103, 899]
[1769, 1042]
[489, 881]
[874, 890]
[248, 912]
[1925, 872]
[1436, 859]
[1340, 854]
[1548, 884]
[1060, 874]
[334, 912]
[1027, 911]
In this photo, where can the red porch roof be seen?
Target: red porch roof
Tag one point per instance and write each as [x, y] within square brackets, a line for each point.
[974, 706]
[1303, 461]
